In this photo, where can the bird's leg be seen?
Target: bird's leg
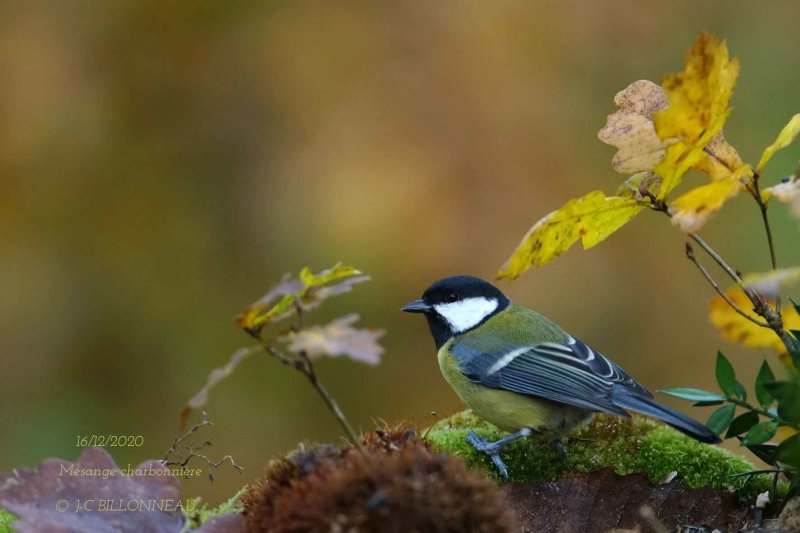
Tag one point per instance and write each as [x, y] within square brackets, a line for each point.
[559, 448]
[493, 448]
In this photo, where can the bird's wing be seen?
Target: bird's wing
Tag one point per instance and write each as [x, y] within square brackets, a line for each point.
[570, 372]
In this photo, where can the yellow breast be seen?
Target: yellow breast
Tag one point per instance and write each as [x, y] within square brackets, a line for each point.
[508, 410]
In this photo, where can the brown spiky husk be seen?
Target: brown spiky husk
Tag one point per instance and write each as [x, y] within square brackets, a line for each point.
[399, 485]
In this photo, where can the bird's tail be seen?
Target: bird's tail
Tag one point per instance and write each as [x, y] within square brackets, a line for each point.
[630, 400]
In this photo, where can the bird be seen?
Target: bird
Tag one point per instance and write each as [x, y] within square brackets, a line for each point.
[521, 372]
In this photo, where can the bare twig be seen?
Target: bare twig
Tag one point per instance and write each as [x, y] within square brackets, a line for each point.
[192, 451]
[761, 307]
[715, 285]
[734, 275]
[303, 364]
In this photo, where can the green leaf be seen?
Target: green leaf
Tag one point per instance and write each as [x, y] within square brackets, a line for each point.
[742, 424]
[693, 395]
[765, 452]
[764, 376]
[726, 376]
[720, 419]
[760, 433]
[788, 395]
[739, 391]
[796, 306]
[706, 403]
[794, 485]
[789, 451]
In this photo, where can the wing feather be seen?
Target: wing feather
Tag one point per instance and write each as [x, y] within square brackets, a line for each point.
[570, 372]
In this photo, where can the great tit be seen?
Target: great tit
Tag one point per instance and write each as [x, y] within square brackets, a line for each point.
[523, 373]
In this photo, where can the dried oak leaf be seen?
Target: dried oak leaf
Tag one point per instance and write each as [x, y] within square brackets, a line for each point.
[774, 283]
[603, 501]
[787, 192]
[339, 338]
[199, 400]
[631, 129]
[45, 499]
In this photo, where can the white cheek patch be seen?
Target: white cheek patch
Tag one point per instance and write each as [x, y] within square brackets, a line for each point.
[467, 313]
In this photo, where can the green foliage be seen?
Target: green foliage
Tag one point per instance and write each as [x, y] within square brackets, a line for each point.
[695, 395]
[203, 513]
[783, 457]
[627, 446]
[720, 419]
[6, 519]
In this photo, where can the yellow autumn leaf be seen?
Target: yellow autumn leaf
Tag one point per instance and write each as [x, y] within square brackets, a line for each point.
[336, 272]
[784, 139]
[308, 291]
[736, 328]
[591, 218]
[774, 283]
[693, 209]
[698, 106]
[720, 159]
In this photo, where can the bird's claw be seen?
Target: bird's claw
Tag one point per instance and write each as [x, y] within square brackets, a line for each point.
[482, 445]
[559, 448]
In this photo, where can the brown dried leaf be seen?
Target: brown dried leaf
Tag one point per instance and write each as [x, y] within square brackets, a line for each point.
[45, 499]
[631, 129]
[199, 400]
[602, 501]
[787, 192]
[338, 338]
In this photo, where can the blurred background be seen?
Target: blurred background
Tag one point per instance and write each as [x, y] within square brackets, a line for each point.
[161, 164]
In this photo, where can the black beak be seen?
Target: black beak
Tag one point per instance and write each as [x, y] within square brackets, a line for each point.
[417, 306]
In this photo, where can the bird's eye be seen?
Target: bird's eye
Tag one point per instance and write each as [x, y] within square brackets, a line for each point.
[452, 297]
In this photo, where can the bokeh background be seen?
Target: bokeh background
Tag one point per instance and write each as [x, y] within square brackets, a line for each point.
[161, 164]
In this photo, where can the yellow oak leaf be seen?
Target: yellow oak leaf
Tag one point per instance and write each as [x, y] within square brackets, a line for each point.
[693, 209]
[720, 159]
[774, 283]
[736, 328]
[631, 129]
[698, 106]
[784, 139]
[591, 218]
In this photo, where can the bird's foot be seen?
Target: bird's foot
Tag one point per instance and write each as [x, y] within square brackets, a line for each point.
[559, 448]
[491, 449]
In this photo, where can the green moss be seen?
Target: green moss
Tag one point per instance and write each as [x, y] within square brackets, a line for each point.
[630, 445]
[6, 519]
[203, 513]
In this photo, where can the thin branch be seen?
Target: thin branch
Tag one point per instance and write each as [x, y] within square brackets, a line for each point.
[693, 259]
[761, 307]
[762, 206]
[734, 275]
[303, 364]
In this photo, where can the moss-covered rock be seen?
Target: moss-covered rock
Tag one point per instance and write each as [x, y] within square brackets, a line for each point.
[637, 444]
